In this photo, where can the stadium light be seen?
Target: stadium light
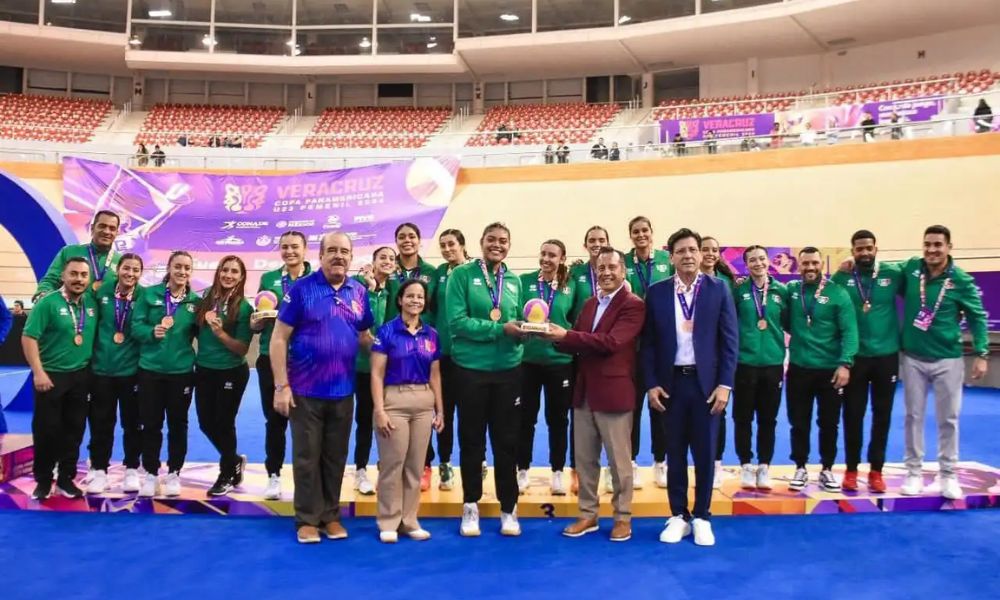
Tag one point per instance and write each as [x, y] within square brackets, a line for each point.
[419, 18]
[365, 43]
[63, 1]
[208, 41]
[163, 13]
[431, 45]
[135, 41]
[509, 17]
[624, 19]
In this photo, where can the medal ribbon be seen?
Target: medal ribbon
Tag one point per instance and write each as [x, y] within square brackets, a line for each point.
[686, 310]
[98, 271]
[546, 291]
[802, 298]
[866, 296]
[760, 304]
[496, 294]
[593, 280]
[123, 305]
[169, 306]
[78, 322]
[923, 292]
[404, 274]
[648, 266]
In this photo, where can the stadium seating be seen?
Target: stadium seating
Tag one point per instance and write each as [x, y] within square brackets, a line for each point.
[376, 127]
[544, 123]
[51, 118]
[167, 123]
[948, 84]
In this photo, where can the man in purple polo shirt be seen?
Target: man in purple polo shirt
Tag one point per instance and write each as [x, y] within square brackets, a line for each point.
[313, 347]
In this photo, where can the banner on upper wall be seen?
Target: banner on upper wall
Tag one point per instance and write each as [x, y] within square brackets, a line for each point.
[913, 110]
[213, 215]
[735, 126]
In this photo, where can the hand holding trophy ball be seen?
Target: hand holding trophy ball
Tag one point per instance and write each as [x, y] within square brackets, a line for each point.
[536, 317]
[265, 305]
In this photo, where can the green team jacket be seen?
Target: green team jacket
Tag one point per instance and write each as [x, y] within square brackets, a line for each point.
[832, 340]
[174, 354]
[477, 342]
[212, 354]
[944, 337]
[537, 350]
[583, 287]
[424, 272]
[878, 329]
[377, 300]
[762, 348]
[272, 281]
[111, 359]
[660, 269]
[439, 297]
[52, 280]
[53, 322]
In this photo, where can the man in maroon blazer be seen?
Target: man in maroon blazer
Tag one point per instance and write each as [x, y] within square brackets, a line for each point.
[603, 340]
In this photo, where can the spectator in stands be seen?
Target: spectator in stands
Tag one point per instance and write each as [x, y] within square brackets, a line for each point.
[227, 142]
[680, 148]
[615, 153]
[514, 133]
[159, 156]
[896, 130]
[550, 155]
[745, 145]
[18, 309]
[142, 155]
[983, 117]
[562, 152]
[868, 126]
[599, 151]
[238, 142]
[808, 137]
[777, 136]
[710, 143]
[182, 141]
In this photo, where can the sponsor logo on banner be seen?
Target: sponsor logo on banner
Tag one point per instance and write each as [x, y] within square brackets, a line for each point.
[332, 222]
[244, 198]
[230, 225]
[231, 240]
[364, 219]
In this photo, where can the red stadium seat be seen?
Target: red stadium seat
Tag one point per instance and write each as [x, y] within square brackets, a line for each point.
[51, 118]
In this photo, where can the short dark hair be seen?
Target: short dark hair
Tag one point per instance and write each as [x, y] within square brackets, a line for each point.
[749, 249]
[402, 226]
[682, 234]
[106, 213]
[862, 234]
[76, 259]
[610, 250]
[810, 250]
[940, 230]
[18, 303]
[131, 256]
[293, 233]
[406, 285]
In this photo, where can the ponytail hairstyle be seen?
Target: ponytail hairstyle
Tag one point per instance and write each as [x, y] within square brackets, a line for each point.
[458, 236]
[173, 255]
[562, 272]
[721, 266]
[215, 293]
[131, 256]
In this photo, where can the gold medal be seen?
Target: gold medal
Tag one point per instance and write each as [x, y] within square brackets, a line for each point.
[167, 322]
[78, 339]
[867, 306]
[687, 326]
[119, 337]
[495, 314]
[762, 324]
[96, 285]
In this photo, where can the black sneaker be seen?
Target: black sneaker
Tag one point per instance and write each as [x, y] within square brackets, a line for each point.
[42, 490]
[68, 488]
[223, 485]
[241, 466]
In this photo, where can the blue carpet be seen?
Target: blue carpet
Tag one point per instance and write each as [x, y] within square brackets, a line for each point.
[979, 424]
[902, 555]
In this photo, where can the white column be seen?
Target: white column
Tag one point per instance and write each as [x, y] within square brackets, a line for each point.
[648, 90]
[309, 103]
[478, 101]
[753, 76]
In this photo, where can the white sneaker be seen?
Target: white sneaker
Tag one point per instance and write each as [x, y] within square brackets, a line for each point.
[361, 483]
[388, 537]
[172, 485]
[509, 524]
[609, 484]
[828, 481]
[273, 489]
[660, 474]
[98, 482]
[676, 530]
[558, 486]
[934, 487]
[717, 480]
[522, 481]
[470, 520]
[703, 535]
[950, 488]
[748, 477]
[89, 477]
[763, 478]
[913, 485]
[636, 477]
[149, 485]
[419, 535]
[799, 481]
[130, 484]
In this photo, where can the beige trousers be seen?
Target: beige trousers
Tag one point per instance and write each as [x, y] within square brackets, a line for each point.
[401, 456]
[613, 430]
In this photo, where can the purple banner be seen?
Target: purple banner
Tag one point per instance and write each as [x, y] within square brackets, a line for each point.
[911, 110]
[213, 215]
[989, 286]
[736, 126]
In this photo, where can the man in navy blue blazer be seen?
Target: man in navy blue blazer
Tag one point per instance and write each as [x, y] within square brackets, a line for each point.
[688, 355]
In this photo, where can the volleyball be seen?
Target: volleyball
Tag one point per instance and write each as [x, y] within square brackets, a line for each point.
[431, 181]
[266, 302]
[536, 311]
